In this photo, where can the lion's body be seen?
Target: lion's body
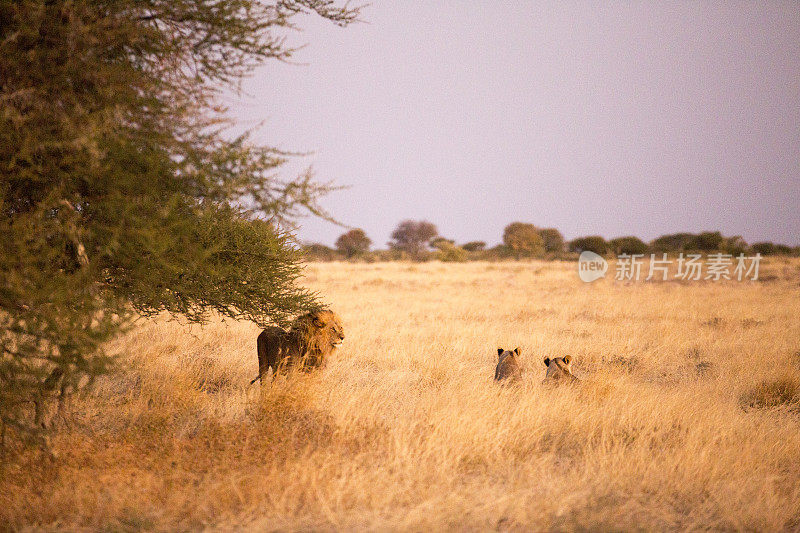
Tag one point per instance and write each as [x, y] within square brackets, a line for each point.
[559, 369]
[307, 345]
[270, 345]
[507, 365]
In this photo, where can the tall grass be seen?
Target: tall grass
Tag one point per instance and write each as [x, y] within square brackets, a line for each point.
[686, 416]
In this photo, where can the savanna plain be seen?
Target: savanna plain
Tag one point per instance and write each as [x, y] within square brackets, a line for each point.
[687, 415]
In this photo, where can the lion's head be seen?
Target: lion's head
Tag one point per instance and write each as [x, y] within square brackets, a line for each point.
[507, 365]
[559, 369]
[320, 331]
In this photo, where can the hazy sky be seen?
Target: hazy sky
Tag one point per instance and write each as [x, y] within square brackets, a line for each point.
[610, 118]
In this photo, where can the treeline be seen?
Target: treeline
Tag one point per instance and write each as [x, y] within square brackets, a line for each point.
[419, 240]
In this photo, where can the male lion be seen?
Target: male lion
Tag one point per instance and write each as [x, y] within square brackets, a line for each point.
[309, 341]
[507, 365]
[559, 369]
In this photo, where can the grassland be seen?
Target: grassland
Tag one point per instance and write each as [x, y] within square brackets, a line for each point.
[688, 415]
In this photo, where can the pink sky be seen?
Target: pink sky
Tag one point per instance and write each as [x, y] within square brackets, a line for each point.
[610, 118]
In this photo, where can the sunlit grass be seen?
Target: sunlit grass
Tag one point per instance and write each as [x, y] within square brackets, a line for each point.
[686, 417]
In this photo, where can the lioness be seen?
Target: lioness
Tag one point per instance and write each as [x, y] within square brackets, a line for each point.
[309, 341]
[507, 365]
[559, 369]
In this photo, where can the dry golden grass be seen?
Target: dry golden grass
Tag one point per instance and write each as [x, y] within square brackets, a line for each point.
[688, 415]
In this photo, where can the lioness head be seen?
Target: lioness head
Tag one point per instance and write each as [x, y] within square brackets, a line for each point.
[507, 365]
[559, 368]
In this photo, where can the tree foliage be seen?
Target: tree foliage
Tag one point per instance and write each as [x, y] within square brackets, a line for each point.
[441, 242]
[707, 241]
[353, 243]
[523, 239]
[735, 245]
[474, 246]
[120, 191]
[448, 252]
[765, 248]
[628, 245]
[413, 236]
[593, 243]
[552, 239]
[319, 252]
[675, 242]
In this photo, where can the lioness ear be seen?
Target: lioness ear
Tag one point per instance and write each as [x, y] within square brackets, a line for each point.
[567, 359]
[546, 361]
[516, 351]
[499, 352]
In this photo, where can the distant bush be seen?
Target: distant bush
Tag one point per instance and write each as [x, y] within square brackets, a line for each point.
[735, 245]
[474, 246]
[628, 245]
[450, 253]
[552, 239]
[440, 242]
[354, 242]
[523, 240]
[497, 253]
[384, 255]
[707, 241]
[593, 243]
[419, 241]
[675, 242]
[320, 252]
[764, 248]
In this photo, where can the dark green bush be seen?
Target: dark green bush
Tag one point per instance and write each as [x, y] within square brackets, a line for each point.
[552, 239]
[628, 245]
[354, 242]
[474, 246]
[707, 241]
[450, 253]
[593, 243]
[675, 242]
[523, 240]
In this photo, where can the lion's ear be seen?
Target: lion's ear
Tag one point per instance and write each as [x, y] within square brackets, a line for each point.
[499, 352]
[516, 351]
[318, 323]
[546, 361]
[567, 359]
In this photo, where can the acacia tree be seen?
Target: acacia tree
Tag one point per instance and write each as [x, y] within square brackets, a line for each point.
[413, 236]
[353, 243]
[119, 191]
